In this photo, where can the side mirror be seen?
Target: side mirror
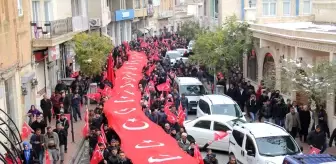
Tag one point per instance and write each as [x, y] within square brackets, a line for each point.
[301, 148]
[250, 153]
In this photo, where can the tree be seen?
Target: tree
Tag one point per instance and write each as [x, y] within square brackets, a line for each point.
[316, 82]
[190, 30]
[223, 47]
[91, 52]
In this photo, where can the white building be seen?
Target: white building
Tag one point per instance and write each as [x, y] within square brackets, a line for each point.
[54, 22]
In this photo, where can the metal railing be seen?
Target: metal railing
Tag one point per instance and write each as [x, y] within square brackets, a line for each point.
[53, 29]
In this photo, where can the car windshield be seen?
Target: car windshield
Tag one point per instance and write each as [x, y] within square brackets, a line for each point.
[236, 122]
[182, 51]
[192, 90]
[277, 146]
[174, 55]
[226, 109]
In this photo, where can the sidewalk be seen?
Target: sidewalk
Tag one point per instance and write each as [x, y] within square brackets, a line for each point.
[78, 126]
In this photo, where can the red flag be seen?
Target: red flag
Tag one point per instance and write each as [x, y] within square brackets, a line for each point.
[171, 117]
[150, 70]
[220, 135]
[103, 133]
[97, 156]
[314, 150]
[47, 158]
[181, 115]
[164, 87]
[74, 74]
[198, 155]
[26, 131]
[94, 96]
[85, 130]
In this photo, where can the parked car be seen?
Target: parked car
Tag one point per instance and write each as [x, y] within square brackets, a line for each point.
[202, 129]
[310, 159]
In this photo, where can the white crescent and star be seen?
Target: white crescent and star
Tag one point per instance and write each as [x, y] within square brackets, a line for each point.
[145, 125]
[166, 158]
[125, 111]
[147, 142]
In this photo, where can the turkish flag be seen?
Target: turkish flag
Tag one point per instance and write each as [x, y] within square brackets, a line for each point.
[163, 87]
[103, 133]
[220, 135]
[97, 156]
[47, 158]
[85, 130]
[94, 96]
[198, 155]
[181, 115]
[26, 131]
[150, 70]
[74, 74]
[314, 150]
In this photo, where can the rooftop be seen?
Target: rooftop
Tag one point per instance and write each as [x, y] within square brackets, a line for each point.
[305, 26]
[258, 130]
[188, 81]
[220, 99]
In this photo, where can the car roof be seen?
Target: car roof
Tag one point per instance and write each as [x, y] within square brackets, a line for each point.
[188, 81]
[218, 118]
[181, 49]
[259, 129]
[170, 52]
[219, 99]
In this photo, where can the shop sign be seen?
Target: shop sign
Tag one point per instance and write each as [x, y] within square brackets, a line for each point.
[124, 14]
[53, 53]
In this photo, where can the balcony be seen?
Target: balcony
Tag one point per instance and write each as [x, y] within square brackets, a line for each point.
[165, 14]
[51, 33]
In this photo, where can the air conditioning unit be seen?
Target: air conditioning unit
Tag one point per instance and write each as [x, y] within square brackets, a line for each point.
[95, 22]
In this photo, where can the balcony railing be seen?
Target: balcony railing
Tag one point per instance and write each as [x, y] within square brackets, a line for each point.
[56, 28]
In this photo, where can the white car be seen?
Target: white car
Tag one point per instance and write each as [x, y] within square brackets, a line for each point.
[182, 51]
[261, 143]
[203, 129]
[218, 105]
[173, 56]
[193, 89]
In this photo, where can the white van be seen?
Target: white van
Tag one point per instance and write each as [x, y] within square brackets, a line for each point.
[261, 143]
[175, 56]
[216, 104]
[192, 88]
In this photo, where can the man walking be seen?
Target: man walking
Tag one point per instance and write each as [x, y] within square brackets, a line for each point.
[317, 139]
[51, 142]
[75, 104]
[37, 142]
[65, 124]
[46, 106]
[292, 123]
[62, 140]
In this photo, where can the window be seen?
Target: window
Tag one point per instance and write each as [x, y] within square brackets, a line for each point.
[277, 146]
[192, 90]
[269, 7]
[306, 6]
[220, 127]
[204, 106]
[286, 7]
[226, 109]
[137, 4]
[238, 136]
[47, 11]
[252, 3]
[250, 145]
[20, 9]
[203, 124]
[36, 10]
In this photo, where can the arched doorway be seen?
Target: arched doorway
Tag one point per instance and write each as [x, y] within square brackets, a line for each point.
[269, 71]
[300, 96]
[252, 66]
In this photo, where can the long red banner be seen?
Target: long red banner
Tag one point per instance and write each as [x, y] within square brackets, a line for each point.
[143, 141]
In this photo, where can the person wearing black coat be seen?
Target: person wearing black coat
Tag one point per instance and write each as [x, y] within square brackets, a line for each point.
[62, 136]
[123, 159]
[46, 107]
[304, 116]
[317, 139]
[252, 107]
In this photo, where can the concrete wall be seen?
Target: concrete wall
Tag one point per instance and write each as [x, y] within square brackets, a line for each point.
[61, 9]
[323, 9]
[95, 8]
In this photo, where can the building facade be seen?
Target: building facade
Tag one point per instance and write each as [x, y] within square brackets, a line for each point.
[53, 24]
[16, 62]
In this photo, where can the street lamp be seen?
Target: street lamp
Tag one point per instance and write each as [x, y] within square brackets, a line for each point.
[68, 82]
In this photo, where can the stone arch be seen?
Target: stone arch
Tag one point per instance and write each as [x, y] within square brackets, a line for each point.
[252, 65]
[269, 71]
